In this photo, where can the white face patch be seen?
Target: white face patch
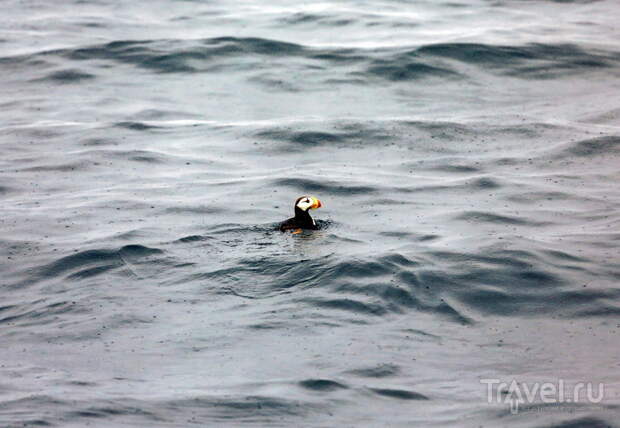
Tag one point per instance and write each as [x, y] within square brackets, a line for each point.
[305, 203]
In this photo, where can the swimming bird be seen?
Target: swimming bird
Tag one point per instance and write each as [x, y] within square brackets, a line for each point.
[302, 219]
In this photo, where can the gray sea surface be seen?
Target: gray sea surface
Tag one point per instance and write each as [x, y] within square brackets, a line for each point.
[467, 157]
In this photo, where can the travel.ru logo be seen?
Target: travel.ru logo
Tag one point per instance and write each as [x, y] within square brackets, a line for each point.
[517, 393]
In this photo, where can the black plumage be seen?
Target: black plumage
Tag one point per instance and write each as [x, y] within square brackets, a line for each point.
[302, 219]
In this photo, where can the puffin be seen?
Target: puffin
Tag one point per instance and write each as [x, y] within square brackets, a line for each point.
[302, 219]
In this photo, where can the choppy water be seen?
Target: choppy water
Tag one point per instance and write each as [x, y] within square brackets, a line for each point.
[466, 154]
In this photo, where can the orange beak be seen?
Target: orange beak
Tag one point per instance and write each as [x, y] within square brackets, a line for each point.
[316, 204]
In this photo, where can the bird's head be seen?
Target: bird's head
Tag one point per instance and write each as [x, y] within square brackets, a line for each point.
[306, 203]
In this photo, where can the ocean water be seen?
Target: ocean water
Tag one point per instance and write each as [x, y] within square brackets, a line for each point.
[467, 156]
